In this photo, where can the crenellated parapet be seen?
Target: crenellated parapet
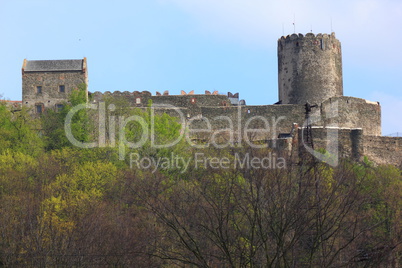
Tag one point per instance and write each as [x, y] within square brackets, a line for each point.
[321, 41]
[310, 41]
[134, 98]
[308, 37]
[190, 99]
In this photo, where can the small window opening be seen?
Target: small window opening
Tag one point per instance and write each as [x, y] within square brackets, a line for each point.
[39, 108]
[39, 89]
[62, 88]
[138, 100]
[59, 107]
[248, 111]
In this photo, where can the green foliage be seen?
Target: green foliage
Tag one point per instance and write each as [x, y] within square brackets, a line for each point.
[153, 135]
[15, 161]
[78, 95]
[87, 182]
[74, 201]
[18, 132]
[53, 122]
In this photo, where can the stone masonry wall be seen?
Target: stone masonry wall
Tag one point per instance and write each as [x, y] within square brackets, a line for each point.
[352, 144]
[350, 112]
[191, 103]
[215, 113]
[383, 150]
[50, 82]
[347, 142]
[263, 122]
[309, 68]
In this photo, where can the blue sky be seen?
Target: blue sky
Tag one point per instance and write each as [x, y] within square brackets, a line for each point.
[224, 45]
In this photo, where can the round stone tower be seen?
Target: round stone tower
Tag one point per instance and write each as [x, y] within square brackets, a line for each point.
[310, 68]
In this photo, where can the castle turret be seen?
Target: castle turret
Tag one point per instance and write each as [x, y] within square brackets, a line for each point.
[310, 68]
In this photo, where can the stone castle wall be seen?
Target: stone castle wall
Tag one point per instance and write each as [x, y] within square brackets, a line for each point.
[216, 112]
[261, 123]
[141, 99]
[348, 143]
[355, 121]
[352, 112]
[383, 150]
[353, 144]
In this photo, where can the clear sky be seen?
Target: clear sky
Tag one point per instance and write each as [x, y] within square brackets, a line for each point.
[224, 45]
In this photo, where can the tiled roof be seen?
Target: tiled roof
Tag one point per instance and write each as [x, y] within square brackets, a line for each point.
[53, 65]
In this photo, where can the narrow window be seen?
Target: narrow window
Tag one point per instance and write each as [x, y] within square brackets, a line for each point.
[39, 89]
[59, 107]
[322, 44]
[138, 100]
[62, 88]
[39, 108]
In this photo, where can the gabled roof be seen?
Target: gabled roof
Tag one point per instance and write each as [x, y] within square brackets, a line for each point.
[53, 65]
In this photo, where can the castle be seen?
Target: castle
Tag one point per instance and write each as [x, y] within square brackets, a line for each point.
[310, 88]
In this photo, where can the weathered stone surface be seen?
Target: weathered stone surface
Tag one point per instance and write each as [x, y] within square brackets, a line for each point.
[383, 150]
[50, 75]
[310, 68]
[50, 82]
[352, 113]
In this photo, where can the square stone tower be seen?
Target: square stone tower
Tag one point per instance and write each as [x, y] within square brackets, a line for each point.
[46, 84]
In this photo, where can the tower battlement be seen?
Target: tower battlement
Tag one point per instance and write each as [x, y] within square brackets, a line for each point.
[310, 41]
[309, 36]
